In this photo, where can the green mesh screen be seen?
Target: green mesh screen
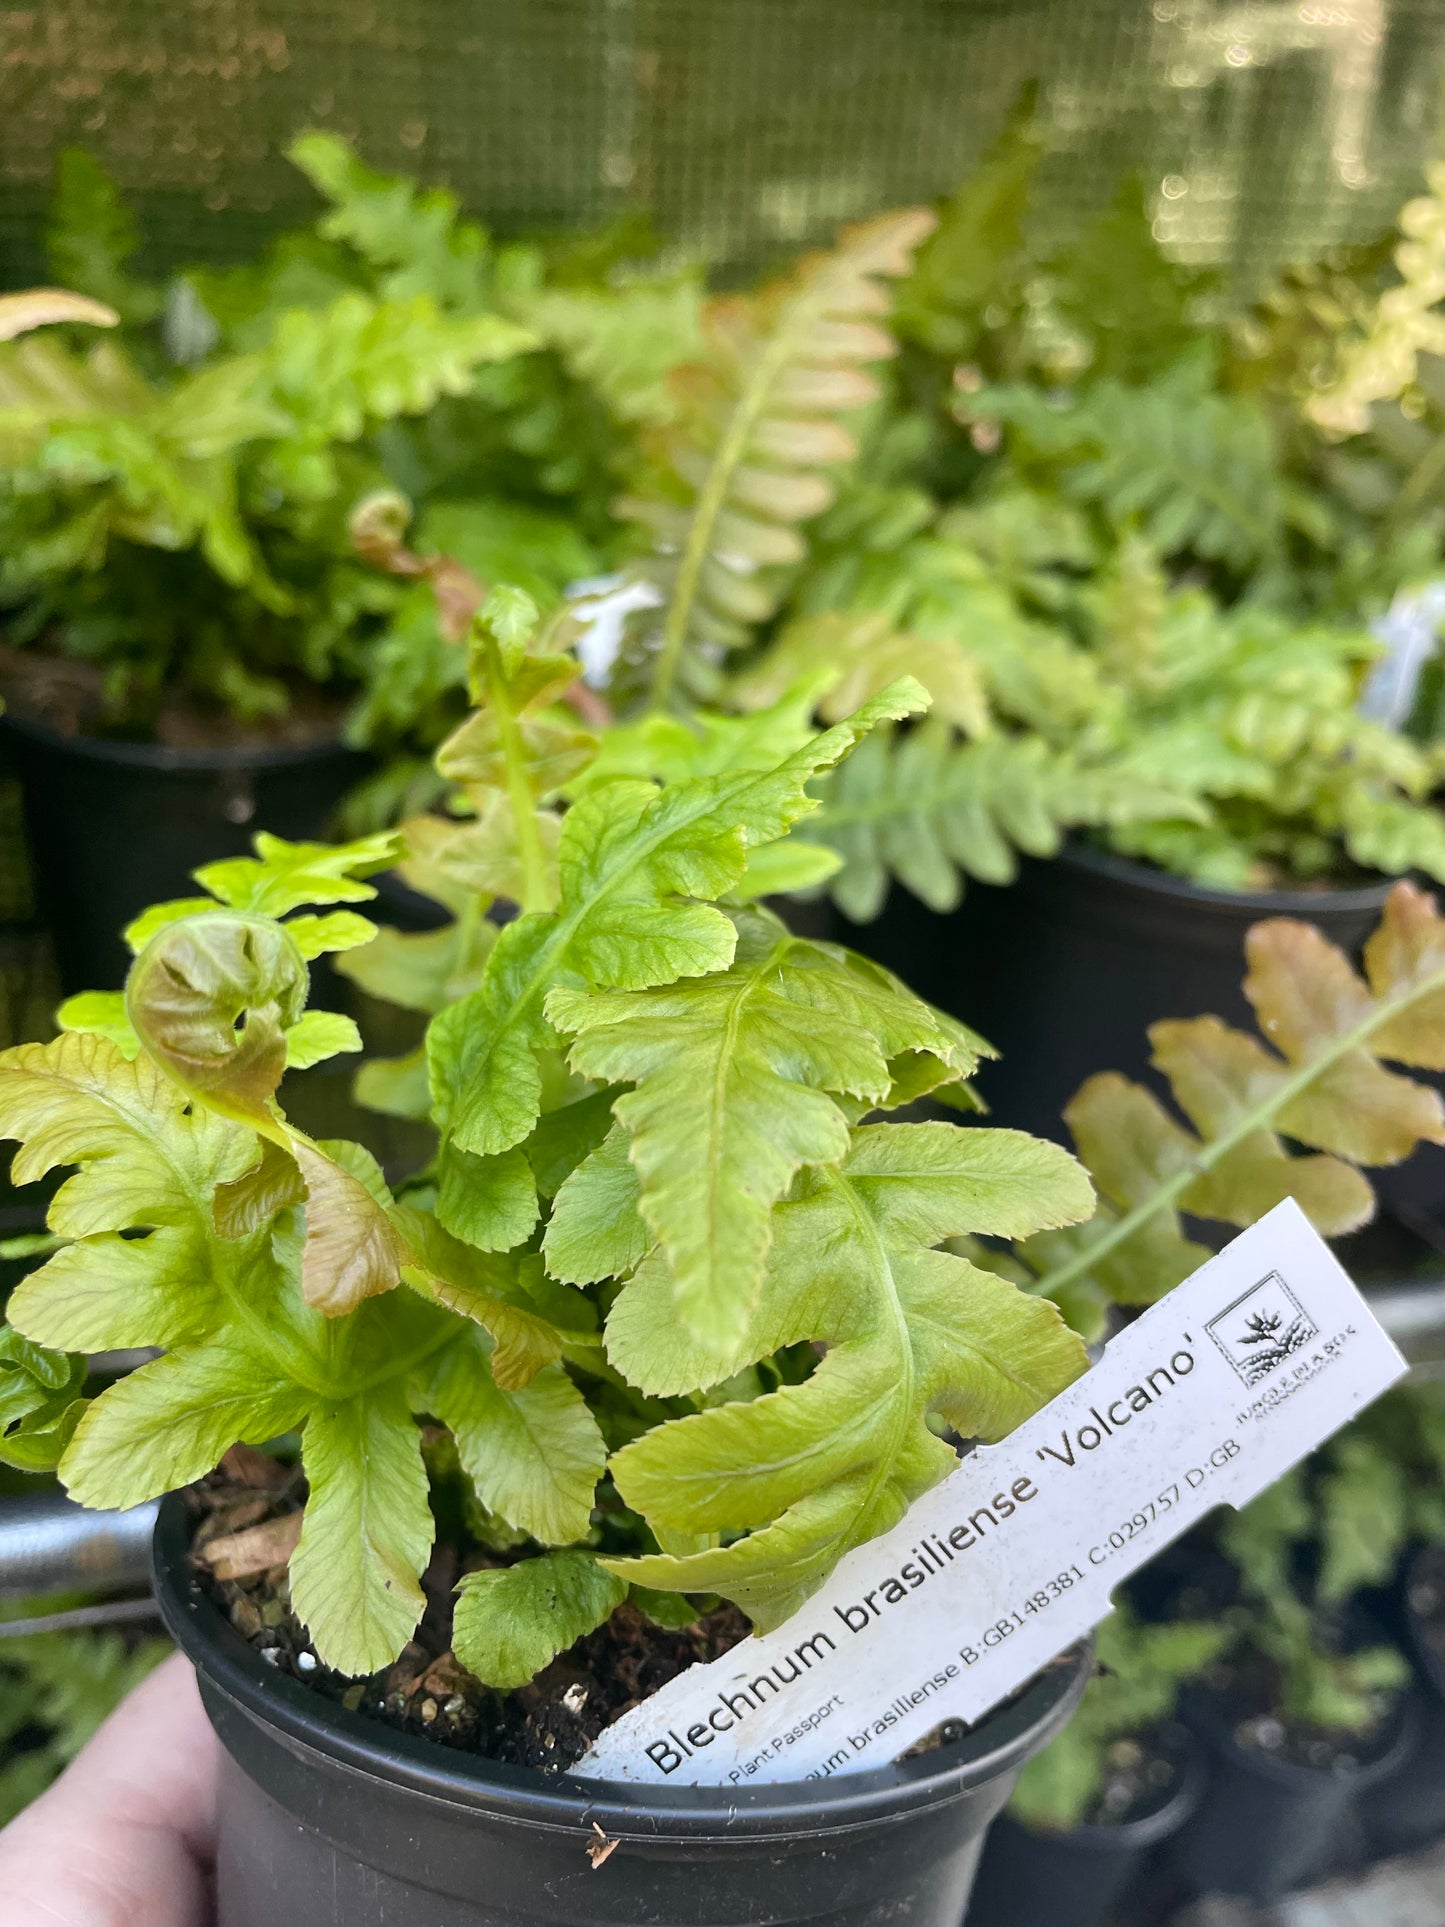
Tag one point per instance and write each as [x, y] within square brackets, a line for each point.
[745, 126]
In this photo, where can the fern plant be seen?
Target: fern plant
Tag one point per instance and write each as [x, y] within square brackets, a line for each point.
[1319, 1078]
[1141, 1670]
[1325, 1542]
[1226, 746]
[1103, 373]
[91, 237]
[1323, 1683]
[687, 1298]
[1005, 765]
[1190, 468]
[1256, 716]
[757, 428]
[57, 1688]
[928, 811]
[292, 1290]
[542, 429]
[174, 509]
[176, 530]
[1106, 538]
[1111, 521]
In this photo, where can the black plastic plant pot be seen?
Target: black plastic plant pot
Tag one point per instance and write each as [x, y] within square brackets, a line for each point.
[1406, 1810]
[114, 826]
[328, 1818]
[1030, 1877]
[1266, 1826]
[1064, 971]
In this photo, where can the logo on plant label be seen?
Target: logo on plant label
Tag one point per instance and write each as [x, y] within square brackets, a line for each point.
[1260, 1330]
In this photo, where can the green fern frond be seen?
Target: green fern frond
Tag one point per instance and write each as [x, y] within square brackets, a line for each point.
[90, 237]
[94, 451]
[1134, 312]
[44, 382]
[361, 361]
[949, 588]
[1356, 1508]
[929, 811]
[1382, 363]
[413, 237]
[863, 654]
[1032, 544]
[758, 421]
[622, 341]
[1254, 717]
[1317, 1078]
[975, 258]
[1196, 471]
[815, 1469]
[738, 1057]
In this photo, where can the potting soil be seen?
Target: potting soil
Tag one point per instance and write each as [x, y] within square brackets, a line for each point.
[547, 1725]
[1140, 1775]
[71, 696]
[1249, 1690]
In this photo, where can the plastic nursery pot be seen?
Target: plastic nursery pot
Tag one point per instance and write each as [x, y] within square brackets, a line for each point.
[1405, 1810]
[1266, 1826]
[114, 826]
[327, 1817]
[1064, 970]
[1031, 1877]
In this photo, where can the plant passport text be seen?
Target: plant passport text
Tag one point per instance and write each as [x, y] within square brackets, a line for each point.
[1204, 1401]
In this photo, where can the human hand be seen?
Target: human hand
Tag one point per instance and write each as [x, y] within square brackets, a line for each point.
[124, 1837]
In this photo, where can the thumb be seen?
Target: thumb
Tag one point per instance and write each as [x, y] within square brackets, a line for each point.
[124, 1837]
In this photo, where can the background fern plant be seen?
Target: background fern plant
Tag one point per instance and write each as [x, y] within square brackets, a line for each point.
[172, 532]
[1123, 557]
[757, 428]
[1117, 541]
[1141, 1670]
[1319, 1079]
[175, 508]
[57, 1688]
[1295, 1622]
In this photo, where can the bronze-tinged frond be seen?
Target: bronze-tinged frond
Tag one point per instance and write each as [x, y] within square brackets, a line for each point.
[42, 307]
[1318, 1079]
[757, 417]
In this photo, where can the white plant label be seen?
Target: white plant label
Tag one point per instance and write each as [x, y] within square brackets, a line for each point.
[1204, 1401]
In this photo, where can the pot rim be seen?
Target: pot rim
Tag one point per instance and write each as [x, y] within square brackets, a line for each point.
[1207, 1721]
[1429, 1665]
[349, 1742]
[1129, 872]
[221, 759]
[1146, 1829]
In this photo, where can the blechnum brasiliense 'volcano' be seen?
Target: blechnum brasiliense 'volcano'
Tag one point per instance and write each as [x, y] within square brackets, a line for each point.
[687, 1317]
